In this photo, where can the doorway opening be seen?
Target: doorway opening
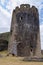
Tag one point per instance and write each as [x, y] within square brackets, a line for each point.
[31, 48]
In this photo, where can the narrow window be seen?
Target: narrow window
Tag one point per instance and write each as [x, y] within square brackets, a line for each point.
[25, 6]
[31, 48]
[21, 18]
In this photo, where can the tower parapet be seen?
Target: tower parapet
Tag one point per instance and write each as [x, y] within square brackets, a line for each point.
[25, 7]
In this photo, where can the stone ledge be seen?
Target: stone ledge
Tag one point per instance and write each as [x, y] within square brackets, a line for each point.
[33, 59]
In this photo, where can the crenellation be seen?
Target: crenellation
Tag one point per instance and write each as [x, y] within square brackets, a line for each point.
[34, 10]
[13, 11]
[17, 10]
[24, 7]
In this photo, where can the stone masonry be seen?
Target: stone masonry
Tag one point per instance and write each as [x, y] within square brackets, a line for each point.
[25, 34]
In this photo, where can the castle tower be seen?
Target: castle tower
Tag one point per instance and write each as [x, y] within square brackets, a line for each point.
[24, 34]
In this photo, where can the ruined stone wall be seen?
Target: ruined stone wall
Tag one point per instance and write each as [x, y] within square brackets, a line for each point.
[24, 31]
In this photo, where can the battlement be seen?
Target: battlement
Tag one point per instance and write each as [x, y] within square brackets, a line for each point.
[25, 7]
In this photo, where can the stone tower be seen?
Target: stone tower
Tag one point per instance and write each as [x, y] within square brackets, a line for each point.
[24, 34]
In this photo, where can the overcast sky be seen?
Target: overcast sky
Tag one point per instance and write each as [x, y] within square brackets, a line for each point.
[6, 8]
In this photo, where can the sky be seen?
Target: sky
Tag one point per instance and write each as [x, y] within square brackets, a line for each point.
[6, 8]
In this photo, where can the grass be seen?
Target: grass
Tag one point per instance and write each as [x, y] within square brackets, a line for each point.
[15, 61]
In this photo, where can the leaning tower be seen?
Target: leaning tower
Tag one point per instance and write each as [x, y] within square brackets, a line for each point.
[25, 34]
